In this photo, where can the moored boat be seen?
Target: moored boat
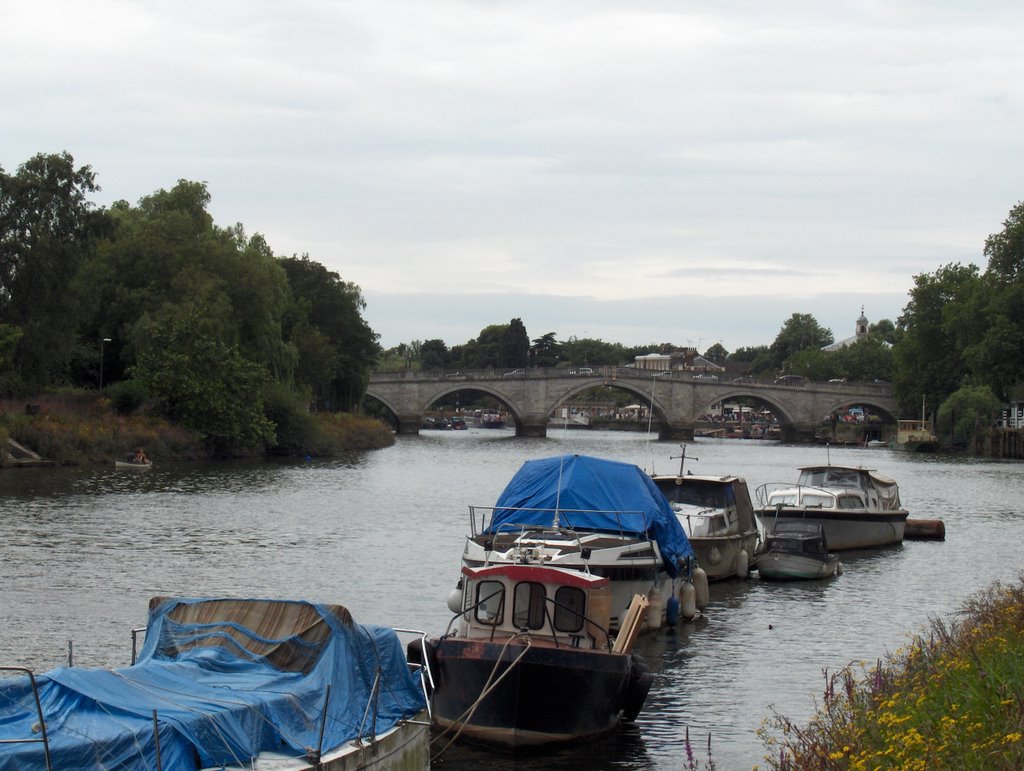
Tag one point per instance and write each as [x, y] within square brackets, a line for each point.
[718, 517]
[593, 515]
[224, 682]
[797, 549]
[857, 507]
[528, 661]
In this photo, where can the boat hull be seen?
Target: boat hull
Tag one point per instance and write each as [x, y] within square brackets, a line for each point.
[844, 529]
[719, 556]
[548, 696]
[784, 566]
[127, 464]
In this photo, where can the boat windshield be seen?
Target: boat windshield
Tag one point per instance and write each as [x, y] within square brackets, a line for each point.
[831, 476]
[815, 499]
[694, 492]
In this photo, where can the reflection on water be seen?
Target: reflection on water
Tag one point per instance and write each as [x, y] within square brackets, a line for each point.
[381, 532]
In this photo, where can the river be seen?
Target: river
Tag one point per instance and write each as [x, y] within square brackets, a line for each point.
[381, 533]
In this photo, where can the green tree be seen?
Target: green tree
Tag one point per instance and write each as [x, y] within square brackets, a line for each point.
[800, 332]
[870, 358]
[434, 354]
[47, 227]
[335, 308]
[515, 345]
[966, 412]
[928, 356]
[545, 351]
[207, 386]
[717, 354]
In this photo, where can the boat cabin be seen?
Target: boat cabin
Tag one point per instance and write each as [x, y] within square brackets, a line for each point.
[840, 487]
[553, 606]
[709, 506]
[797, 537]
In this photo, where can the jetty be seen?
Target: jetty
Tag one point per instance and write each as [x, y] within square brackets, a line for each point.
[17, 455]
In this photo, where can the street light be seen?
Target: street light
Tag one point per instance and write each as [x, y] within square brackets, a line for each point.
[103, 341]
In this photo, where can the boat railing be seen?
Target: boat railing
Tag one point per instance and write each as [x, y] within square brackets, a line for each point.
[428, 684]
[481, 521]
[43, 738]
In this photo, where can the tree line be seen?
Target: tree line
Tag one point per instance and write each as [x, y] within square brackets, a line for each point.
[207, 326]
[202, 323]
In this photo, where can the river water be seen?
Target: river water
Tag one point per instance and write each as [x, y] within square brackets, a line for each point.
[381, 533]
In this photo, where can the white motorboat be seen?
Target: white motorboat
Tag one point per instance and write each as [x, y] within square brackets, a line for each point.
[797, 549]
[857, 507]
[593, 515]
[718, 517]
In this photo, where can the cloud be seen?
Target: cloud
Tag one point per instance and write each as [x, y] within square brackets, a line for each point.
[642, 156]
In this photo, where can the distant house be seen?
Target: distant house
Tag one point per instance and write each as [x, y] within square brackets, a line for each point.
[860, 331]
[686, 360]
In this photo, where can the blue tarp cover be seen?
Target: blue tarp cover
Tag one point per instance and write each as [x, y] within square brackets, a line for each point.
[248, 677]
[592, 494]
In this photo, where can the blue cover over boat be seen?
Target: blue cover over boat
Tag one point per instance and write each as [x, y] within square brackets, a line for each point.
[228, 679]
[592, 494]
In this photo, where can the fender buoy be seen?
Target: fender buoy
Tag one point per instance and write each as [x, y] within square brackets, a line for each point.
[672, 610]
[636, 695]
[455, 600]
[688, 601]
[655, 608]
[742, 563]
[700, 585]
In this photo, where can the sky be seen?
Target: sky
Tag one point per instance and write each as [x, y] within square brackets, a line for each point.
[640, 172]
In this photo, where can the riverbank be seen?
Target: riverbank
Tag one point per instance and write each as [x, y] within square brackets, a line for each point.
[953, 699]
[81, 430]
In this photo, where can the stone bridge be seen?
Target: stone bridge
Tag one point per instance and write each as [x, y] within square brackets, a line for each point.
[679, 399]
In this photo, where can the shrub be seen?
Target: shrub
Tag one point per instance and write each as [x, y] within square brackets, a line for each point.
[126, 396]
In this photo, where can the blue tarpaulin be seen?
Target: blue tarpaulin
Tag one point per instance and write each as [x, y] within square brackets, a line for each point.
[592, 494]
[228, 679]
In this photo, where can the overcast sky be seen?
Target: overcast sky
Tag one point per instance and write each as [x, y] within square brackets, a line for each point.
[686, 172]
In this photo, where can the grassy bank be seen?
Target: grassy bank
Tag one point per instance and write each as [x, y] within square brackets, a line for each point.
[75, 430]
[953, 699]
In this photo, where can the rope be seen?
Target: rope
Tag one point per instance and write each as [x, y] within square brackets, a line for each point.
[463, 720]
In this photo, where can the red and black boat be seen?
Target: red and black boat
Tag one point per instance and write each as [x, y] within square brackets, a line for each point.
[529, 661]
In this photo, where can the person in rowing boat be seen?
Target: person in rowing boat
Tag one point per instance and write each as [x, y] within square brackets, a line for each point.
[140, 456]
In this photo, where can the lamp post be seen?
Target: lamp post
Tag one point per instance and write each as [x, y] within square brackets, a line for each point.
[103, 341]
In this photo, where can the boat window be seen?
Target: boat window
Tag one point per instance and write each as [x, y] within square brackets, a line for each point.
[490, 598]
[851, 502]
[528, 608]
[821, 501]
[570, 608]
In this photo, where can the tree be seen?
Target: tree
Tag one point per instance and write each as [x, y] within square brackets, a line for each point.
[207, 386]
[335, 308]
[1005, 250]
[515, 345]
[434, 354]
[545, 351]
[966, 412]
[800, 332]
[47, 227]
[717, 354]
[928, 357]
